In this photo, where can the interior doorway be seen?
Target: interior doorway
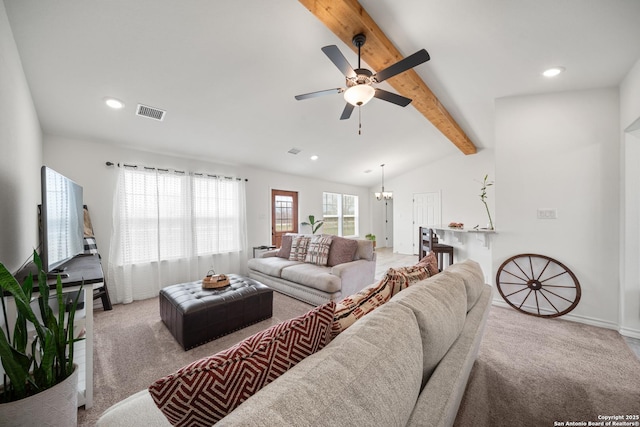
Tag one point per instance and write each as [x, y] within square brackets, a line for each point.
[426, 211]
[284, 214]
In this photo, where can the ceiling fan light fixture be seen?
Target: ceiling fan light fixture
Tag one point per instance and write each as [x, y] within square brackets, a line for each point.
[359, 95]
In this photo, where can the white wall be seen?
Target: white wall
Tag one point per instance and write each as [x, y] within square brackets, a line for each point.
[84, 162]
[630, 228]
[21, 158]
[561, 151]
[458, 178]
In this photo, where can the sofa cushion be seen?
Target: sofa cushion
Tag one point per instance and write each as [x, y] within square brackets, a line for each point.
[271, 266]
[299, 246]
[355, 306]
[365, 250]
[204, 391]
[440, 305]
[471, 273]
[318, 250]
[313, 276]
[431, 262]
[342, 250]
[369, 376]
[285, 246]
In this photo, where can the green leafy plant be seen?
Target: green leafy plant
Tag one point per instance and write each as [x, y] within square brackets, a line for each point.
[483, 196]
[48, 360]
[370, 236]
[315, 225]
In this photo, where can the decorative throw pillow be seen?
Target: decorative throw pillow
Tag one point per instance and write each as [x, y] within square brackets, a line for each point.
[318, 250]
[415, 273]
[431, 261]
[396, 280]
[299, 246]
[203, 392]
[285, 246]
[342, 250]
[355, 306]
[400, 278]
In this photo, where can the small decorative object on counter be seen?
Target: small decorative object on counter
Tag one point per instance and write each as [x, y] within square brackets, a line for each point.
[457, 225]
[215, 281]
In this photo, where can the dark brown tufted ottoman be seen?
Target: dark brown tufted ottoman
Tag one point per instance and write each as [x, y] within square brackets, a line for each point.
[195, 316]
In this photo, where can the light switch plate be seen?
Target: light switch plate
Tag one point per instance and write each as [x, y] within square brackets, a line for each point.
[547, 213]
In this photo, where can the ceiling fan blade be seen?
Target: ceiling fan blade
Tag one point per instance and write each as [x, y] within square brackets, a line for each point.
[319, 93]
[392, 97]
[403, 65]
[346, 113]
[339, 60]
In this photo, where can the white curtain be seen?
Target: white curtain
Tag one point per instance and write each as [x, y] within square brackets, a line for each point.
[171, 227]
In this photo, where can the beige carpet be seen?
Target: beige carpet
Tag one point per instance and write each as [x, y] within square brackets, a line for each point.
[532, 372]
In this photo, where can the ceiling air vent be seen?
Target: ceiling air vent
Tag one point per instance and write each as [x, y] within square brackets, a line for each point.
[293, 151]
[150, 112]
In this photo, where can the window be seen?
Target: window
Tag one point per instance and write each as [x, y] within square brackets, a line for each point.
[168, 216]
[340, 214]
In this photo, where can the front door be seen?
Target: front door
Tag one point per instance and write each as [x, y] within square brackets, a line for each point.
[284, 214]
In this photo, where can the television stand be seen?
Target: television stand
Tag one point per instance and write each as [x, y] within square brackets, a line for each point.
[55, 274]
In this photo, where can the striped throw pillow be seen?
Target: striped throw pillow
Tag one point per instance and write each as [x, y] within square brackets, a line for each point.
[318, 250]
[299, 246]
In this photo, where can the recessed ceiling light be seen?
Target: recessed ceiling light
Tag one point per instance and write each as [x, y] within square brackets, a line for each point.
[314, 157]
[116, 104]
[552, 72]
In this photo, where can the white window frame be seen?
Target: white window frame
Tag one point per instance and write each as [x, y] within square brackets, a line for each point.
[341, 216]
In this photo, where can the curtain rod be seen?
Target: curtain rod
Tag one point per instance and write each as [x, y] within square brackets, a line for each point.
[125, 165]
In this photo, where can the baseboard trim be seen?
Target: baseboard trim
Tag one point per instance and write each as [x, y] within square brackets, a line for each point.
[574, 318]
[631, 333]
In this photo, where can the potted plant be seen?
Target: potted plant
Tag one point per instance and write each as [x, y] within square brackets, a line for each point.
[43, 369]
[483, 197]
[315, 225]
[371, 237]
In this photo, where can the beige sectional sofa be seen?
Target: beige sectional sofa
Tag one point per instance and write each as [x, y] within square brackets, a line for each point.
[318, 284]
[404, 364]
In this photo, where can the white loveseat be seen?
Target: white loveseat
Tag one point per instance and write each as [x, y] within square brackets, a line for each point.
[351, 267]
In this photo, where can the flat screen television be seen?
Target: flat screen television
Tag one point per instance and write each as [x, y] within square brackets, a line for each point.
[61, 220]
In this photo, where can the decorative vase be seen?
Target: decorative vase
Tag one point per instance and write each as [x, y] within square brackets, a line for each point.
[56, 406]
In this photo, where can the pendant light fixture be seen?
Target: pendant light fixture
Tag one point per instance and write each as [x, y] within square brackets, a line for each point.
[383, 195]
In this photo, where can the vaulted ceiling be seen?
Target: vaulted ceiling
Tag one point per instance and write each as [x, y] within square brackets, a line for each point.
[227, 72]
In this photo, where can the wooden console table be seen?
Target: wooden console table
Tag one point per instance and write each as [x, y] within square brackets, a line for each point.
[87, 269]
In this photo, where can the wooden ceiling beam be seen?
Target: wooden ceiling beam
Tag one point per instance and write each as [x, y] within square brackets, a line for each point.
[346, 18]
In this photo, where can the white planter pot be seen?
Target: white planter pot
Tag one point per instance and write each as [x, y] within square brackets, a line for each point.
[55, 407]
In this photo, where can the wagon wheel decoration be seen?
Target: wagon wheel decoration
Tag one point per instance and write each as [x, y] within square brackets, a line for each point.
[538, 285]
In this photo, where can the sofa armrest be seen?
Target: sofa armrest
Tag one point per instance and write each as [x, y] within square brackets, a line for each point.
[355, 275]
[269, 253]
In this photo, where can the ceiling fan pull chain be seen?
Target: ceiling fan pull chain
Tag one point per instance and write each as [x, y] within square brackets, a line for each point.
[359, 120]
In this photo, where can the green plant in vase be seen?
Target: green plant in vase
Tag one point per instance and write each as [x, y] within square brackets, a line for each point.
[483, 196]
[48, 360]
[315, 225]
[371, 237]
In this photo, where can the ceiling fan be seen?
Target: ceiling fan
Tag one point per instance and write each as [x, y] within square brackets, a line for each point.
[360, 89]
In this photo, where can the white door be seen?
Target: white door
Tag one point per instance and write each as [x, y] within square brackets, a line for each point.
[388, 223]
[426, 211]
